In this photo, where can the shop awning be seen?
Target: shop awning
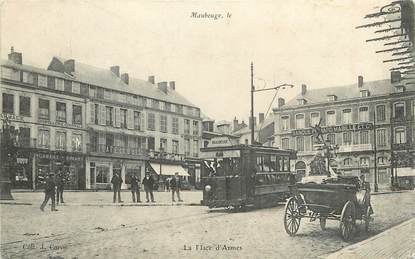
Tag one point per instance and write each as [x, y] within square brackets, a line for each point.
[405, 171]
[169, 169]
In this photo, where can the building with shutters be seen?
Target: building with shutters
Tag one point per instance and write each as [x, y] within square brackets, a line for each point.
[129, 126]
[357, 119]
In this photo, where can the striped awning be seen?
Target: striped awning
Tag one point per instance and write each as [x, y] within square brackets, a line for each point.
[169, 169]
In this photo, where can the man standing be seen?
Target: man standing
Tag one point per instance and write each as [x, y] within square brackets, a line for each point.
[135, 188]
[49, 192]
[148, 183]
[116, 186]
[60, 184]
[175, 185]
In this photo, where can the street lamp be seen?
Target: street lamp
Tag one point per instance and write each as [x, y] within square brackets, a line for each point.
[276, 88]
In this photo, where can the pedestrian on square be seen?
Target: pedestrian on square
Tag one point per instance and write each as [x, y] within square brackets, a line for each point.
[167, 184]
[148, 183]
[135, 188]
[60, 186]
[50, 186]
[176, 184]
[116, 186]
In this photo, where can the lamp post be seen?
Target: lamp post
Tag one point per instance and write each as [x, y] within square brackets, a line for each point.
[8, 157]
[375, 152]
[276, 88]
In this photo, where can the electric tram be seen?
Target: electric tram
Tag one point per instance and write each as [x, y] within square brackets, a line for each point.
[235, 176]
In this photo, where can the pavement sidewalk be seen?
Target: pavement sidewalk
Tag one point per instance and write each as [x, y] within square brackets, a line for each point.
[104, 198]
[396, 242]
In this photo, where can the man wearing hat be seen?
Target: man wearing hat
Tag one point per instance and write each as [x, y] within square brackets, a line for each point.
[49, 192]
[175, 185]
[148, 183]
[116, 187]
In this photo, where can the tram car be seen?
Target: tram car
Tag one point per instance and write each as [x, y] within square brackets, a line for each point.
[237, 176]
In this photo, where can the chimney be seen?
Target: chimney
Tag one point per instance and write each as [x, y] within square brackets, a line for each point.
[125, 78]
[152, 79]
[303, 89]
[69, 66]
[235, 124]
[360, 81]
[261, 117]
[115, 70]
[281, 102]
[172, 85]
[250, 122]
[395, 77]
[162, 86]
[16, 57]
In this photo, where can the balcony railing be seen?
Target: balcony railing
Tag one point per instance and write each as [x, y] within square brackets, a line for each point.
[165, 156]
[355, 148]
[402, 119]
[121, 150]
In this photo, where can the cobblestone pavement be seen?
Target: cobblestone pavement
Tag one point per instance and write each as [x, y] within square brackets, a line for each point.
[154, 232]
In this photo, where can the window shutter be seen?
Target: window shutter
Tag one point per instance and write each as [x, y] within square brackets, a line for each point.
[117, 117]
[142, 121]
[102, 116]
[92, 120]
[130, 119]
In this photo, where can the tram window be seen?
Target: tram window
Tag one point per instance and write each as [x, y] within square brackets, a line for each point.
[259, 163]
[273, 162]
[267, 163]
[278, 164]
[222, 167]
[286, 165]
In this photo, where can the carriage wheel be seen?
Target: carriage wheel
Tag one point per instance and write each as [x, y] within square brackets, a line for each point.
[323, 223]
[367, 219]
[292, 216]
[347, 220]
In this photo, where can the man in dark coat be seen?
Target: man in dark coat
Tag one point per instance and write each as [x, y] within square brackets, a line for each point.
[175, 185]
[148, 183]
[116, 186]
[135, 188]
[49, 192]
[60, 184]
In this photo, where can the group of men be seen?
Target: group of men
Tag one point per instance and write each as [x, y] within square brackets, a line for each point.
[54, 186]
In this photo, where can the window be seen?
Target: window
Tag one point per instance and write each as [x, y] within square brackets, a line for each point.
[355, 137]
[195, 128]
[381, 137]
[364, 93]
[175, 147]
[44, 109]
[60, 142]
[301, 101]
[399, 110]
[167, 107]
[186, 126]
[151, 121]
[27, 77]
[347, 116]
[151, 143]
[154, 104]
[179, 109]
[100, 92]
[24, 106]
[108, 116]
[187, 147]
[51, 82]
[107, 94]
[364, 161]
[364, 114]
[61, 112]
[42, 81]
[285, 143]
[59, 84]
[123, 120]
[347, 162]
[137, 121]
[331, 98]
[331, 138]
[68, 86]
[163, 123]
[76, 142]
[175, 125]
[299, 121]
[382, 160]
[300, 143]
[85, 90]
[331, 118]
[96, 113]
[380, 113]
[400, 135]
[76, 87]
[285, 122]
[8, 103]
[163, 144]
[347, 138]
[77, 114]
[24, 137]
[103, 174]
[315, 118]
[195, 148]
[9, 73]
[364, 137]
[413, 109]
[43, 138]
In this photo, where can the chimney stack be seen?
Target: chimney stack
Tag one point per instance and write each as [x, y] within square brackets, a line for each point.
[69, 66]
[152, 79]
[115, 70]
[125, 78]
[261, 117]
[281, 102]
[235, 124]
[16, 57]
[250, 122]
[162, 86]
[172, 85]
[303, 89]
[360, 81]
[395, 77]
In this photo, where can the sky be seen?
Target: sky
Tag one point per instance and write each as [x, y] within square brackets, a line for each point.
[312, 42]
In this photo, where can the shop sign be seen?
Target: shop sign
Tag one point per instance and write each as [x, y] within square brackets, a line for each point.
[53, 156]
[333, 129]
[59, 124]
[220, 142]
[21, 160]
[12, 117]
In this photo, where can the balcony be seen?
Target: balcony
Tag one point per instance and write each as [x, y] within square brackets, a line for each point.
[401, 119]
[116, 151]
[165, 156]
[355, 148]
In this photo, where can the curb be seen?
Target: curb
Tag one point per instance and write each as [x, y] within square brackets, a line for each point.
[110, 204]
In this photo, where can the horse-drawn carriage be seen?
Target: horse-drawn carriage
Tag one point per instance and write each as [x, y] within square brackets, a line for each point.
[346, 199]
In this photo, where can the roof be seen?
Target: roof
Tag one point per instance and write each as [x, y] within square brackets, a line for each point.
[347, 92]
[269, 120]
[28, 68]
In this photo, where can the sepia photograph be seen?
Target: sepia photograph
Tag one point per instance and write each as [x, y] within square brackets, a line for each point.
[207, 129]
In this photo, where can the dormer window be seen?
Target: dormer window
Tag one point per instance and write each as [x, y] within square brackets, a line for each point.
[400, 88]
[301, 101]
[364, 93]
[332, 98]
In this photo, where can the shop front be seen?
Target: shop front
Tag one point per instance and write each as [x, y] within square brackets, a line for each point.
[21, 175]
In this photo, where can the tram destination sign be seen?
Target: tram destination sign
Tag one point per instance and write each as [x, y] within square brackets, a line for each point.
[333, 129]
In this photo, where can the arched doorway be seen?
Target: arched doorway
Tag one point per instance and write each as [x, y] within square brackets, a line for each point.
[300, 170]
